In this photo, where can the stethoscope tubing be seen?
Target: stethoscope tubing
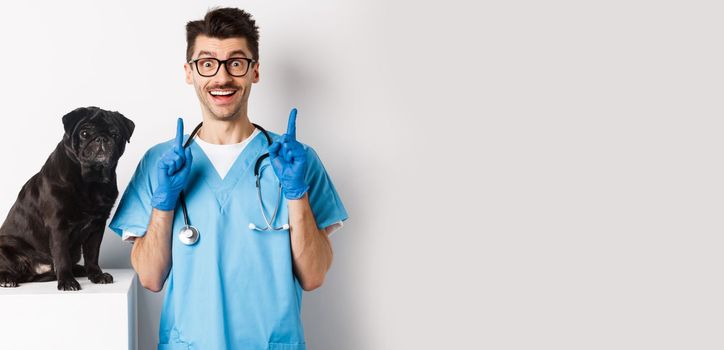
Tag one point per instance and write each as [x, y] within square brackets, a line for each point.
[189, 234]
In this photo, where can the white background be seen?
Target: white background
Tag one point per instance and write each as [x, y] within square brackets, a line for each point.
[519, 174]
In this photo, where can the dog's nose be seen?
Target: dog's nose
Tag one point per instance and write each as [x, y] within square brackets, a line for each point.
[103, 142]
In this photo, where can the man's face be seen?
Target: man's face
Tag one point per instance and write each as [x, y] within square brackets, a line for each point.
[213, 91]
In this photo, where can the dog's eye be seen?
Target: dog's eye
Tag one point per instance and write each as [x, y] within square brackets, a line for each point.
[115, 135]
[83, 134]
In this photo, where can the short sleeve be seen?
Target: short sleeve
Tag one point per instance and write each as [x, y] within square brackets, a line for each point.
[323, 197]
[134, 209]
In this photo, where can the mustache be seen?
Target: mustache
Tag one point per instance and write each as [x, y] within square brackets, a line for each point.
[222, 87]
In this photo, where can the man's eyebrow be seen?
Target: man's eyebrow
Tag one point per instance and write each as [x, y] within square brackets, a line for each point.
[237, 52]
[207, 53]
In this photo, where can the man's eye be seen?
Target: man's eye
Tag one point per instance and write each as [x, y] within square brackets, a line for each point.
[207, 64]
[236, 63]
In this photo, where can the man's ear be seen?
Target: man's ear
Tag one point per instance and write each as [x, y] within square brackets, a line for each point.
[256, 73]
[127, 126]
[71, 120]
[188, 72]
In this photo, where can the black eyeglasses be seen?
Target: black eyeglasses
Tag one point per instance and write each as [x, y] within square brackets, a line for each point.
[235, 66]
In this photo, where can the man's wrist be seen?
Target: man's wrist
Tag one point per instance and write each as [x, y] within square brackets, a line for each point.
[162, 214]
[296, 194]
[164, 201]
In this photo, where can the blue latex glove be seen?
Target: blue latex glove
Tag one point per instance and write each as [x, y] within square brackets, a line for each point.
[289, 161]
[173, 172]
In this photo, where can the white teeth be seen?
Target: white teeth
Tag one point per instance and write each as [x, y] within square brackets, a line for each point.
[221, 92]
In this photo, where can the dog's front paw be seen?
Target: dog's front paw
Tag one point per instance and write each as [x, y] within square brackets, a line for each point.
[101, 278]
[68, 284]
[7, 281]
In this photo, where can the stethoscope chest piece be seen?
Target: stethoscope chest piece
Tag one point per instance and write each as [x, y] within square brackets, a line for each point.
[188, 235]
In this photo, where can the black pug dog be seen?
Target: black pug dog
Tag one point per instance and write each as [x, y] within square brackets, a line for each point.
[65, 206]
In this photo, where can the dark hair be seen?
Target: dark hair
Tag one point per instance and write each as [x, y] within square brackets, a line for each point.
[224, 23]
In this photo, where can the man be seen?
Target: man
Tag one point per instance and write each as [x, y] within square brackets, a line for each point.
[232, 286]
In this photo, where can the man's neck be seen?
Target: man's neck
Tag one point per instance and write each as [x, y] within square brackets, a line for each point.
[226, 132]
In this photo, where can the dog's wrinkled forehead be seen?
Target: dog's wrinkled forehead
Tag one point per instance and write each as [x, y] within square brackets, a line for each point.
[100, 119]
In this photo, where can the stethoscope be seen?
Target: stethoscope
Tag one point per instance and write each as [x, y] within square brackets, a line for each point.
[189, 234]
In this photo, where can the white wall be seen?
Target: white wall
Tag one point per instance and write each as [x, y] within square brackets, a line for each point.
[519, 174]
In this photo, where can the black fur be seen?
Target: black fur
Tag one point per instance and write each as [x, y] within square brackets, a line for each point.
[64, 207]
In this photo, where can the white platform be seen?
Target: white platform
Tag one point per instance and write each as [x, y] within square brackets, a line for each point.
[100, 316]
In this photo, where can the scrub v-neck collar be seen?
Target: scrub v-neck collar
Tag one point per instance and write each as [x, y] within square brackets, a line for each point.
[222, 188]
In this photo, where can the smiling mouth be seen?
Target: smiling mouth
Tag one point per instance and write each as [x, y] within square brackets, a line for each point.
[222, 96]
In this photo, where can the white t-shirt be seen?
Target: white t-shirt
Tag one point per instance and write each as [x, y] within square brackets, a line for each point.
[223, 157]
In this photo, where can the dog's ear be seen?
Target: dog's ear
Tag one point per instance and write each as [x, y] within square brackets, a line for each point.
[127, 126]
[71, 120]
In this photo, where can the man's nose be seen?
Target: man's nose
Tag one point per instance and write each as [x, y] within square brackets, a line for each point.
[223, 75]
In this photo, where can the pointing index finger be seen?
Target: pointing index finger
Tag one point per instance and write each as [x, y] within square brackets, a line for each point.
[180, 133]
[292, 126]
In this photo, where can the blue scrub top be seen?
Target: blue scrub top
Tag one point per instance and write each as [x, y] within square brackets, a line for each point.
[235, 288]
